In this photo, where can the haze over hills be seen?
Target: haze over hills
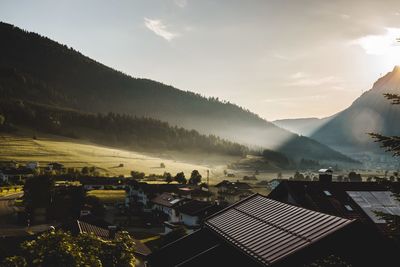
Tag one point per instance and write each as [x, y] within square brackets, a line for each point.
[347, 130]
[80, 83]
[302, 126]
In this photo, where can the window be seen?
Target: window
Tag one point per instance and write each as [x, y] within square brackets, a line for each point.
[326, 192]
[348, 207]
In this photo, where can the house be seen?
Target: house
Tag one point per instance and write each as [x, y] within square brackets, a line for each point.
[3, 177]
[77, 227]
[232, 192]
[193, 212]
[351, 200]
[15, 174]
[140, 193]
[274, 183]
[55, 166]
[194, 192]
[167, 203]
[33, 165]
[258, 231]
[325, 175]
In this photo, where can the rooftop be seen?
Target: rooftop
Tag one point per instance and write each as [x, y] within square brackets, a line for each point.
[351, 200]
[167, 200]
[256, 231]
[268, 230]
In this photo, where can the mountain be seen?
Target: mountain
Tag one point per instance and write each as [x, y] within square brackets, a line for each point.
[302, 126]
[371, 112]
[75, 81]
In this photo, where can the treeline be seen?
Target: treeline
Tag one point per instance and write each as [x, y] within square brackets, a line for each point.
[113, 129]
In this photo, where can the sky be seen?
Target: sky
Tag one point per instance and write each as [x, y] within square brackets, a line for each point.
[277, 58]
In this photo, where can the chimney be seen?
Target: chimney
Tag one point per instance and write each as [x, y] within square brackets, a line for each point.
[325, 175]
[112, 230]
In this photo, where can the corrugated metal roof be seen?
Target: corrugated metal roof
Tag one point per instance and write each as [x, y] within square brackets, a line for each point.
[268, 230]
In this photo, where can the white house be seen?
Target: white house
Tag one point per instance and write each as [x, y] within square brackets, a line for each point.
[193, 212]
[274, 183]
[167, 203]
[3, 177]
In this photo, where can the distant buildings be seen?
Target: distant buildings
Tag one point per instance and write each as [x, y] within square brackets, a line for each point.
[232, 192]
[8, 174]
[174, 203]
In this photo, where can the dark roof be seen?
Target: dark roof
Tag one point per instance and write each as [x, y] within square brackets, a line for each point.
[196, 207]
[331, 198]
[256, 231]
[153, 189]
[234, 185]
[268, 230]
[167, 200]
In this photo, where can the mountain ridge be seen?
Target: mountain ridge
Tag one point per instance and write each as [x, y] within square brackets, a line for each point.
[81, 80]
[347, 131]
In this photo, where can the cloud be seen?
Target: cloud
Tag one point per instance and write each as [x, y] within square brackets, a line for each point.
[180, 3]
[380, 44]
[160, 29]
[301, 79]
[298, 75]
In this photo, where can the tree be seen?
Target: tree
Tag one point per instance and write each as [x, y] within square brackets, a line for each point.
[85, 170]
[58, 248]
[14, 261]
[180, 178]
[355, 177]
[391, 144]
[37, 192]
[2, 119]
[195, 177]
[298, 176]
[168, 177]
[137, 175]
[162, 165]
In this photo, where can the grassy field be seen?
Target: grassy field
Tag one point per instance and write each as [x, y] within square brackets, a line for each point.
[8, 190]
[108, 196]
[73, 153]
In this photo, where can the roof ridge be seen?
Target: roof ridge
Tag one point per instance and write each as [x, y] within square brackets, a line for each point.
[233, 205]
[79, 226]
[197, 255]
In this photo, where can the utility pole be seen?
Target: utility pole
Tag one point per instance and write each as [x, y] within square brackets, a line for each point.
[208, 185]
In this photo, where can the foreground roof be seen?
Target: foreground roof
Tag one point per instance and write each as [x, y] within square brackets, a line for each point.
[267, 230]
[256, 231]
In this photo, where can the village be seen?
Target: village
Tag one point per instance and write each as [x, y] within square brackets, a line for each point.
[166, 214]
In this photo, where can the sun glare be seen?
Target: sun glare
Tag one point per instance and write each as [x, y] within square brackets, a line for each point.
[386, 46]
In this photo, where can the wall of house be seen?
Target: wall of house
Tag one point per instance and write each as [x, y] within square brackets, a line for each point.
[172, 213]
[189, 220]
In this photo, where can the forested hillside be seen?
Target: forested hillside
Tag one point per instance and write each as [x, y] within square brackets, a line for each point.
[109, 129]
[71, 80]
